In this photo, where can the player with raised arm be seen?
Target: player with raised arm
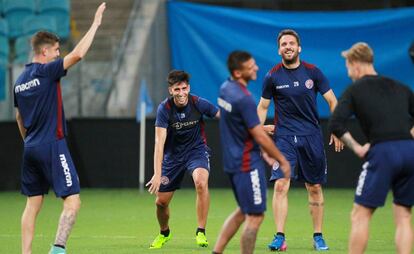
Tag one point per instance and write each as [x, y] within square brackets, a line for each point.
[41, 121]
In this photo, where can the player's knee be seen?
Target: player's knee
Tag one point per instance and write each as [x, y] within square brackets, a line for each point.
[201, 185]
[360, 215]
[254, 221]
[73, 206]
[239, 216]
[160, 203]
[315, 190]
[281, 187]
[34, 210]
[355, 217]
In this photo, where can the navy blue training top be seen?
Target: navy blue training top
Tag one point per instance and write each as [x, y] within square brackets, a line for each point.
[294, 93]
[185, 126]
[238, 114]
[37, 95]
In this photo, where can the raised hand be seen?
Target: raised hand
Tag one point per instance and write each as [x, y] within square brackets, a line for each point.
[99, 14]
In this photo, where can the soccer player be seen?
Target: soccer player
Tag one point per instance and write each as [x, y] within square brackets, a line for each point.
[385, 110]
[41, 121]
[241, 135]
[180, 146]
[293, 85]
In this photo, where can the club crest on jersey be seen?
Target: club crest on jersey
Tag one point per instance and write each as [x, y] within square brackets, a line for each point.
[309, 84]
[275, 166]
[165, 180]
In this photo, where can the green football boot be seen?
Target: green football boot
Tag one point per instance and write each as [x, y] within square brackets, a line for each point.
[159, 241]
[201, 239]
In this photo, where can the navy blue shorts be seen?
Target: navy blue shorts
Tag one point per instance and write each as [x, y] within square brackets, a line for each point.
[173, 171]
[49, 165]
[249, 188]
[306, 155]
[389, 165]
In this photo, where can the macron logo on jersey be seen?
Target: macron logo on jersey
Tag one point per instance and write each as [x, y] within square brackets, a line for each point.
[224, 104]
[26, 86]
[257, 194]
[66, 170]
[282, 87]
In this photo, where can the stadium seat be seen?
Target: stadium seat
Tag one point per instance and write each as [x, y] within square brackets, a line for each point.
[4, 49]
[4, 30]
[22, 50]
[35, 23]
[60, 9]
[15, 12]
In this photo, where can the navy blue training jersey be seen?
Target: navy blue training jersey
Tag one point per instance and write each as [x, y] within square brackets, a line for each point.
[185, 126]
[294, 93]
[38, 97]
[238, 114]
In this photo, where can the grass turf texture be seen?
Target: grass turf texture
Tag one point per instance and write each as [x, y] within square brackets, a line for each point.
[123, 221]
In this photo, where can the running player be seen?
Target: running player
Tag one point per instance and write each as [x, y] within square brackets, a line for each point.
[241, 135]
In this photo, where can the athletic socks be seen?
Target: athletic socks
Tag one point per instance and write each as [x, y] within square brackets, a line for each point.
[202, 230]
[165, 232]
[317, 234]
[59, 246]
[281, 234]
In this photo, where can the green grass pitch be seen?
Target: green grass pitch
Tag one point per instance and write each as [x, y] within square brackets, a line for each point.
[123, 221]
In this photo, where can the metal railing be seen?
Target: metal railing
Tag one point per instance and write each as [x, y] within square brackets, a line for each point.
[118, 59]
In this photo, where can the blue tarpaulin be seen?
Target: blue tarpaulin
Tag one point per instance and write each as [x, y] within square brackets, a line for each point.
[202, 36]
[2, 82]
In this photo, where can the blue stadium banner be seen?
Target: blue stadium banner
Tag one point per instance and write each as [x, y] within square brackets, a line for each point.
[2, 82]
[201, 37]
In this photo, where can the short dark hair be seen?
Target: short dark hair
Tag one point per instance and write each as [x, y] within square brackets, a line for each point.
[236, 60]
[288, 32]
[42, 38]
[177, 76]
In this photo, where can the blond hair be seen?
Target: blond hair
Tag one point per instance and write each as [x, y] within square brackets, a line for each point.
[359, 52]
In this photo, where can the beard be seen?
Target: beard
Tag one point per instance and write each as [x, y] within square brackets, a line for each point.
[292, 60]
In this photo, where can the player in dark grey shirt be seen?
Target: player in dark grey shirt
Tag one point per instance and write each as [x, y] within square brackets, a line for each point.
[385, 110]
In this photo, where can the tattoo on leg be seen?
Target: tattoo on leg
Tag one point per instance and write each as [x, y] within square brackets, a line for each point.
[315, 204]
[248, 240]
[66, 222]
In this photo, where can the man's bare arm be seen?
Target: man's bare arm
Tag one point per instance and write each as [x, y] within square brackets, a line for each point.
[19, 120]
[160, 137]
[82, 47]
[269, 147]
[352, 144]
[262, 109]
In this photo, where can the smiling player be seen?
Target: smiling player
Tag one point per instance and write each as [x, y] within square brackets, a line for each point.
[180, 146]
